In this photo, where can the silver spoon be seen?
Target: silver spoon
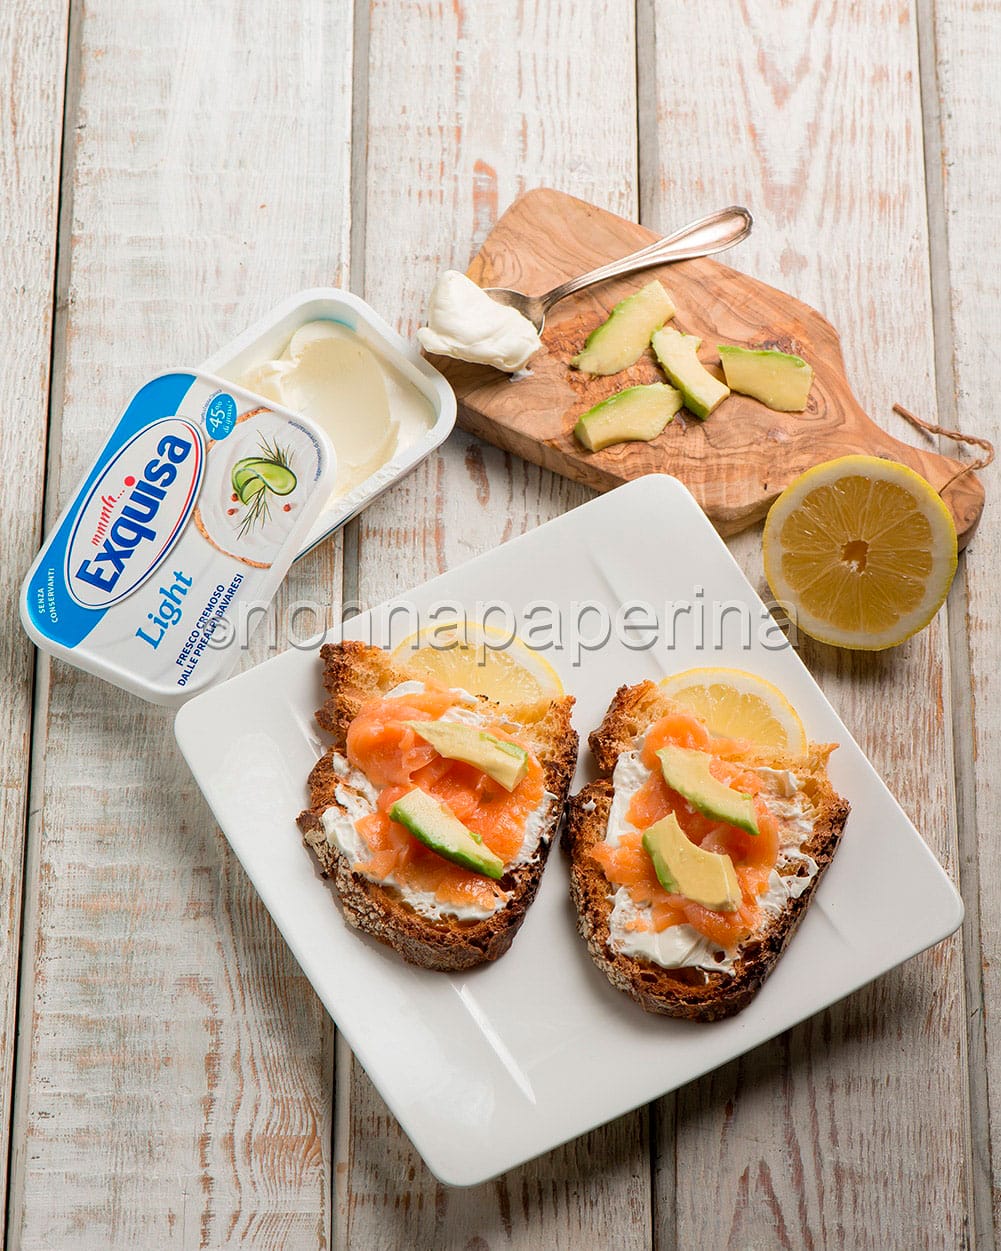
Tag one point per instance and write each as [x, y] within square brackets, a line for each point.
[708, 235]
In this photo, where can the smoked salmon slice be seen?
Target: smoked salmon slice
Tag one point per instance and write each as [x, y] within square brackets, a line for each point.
[395, 759]
[754, 856]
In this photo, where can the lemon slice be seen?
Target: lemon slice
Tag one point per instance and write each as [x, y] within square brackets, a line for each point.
[484, 661]
[737, 704]
[861, 551]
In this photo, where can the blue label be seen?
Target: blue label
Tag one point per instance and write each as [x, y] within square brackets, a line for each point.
[126, 517]
[220, 416]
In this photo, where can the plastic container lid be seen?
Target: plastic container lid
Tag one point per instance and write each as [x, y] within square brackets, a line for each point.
[191, 514]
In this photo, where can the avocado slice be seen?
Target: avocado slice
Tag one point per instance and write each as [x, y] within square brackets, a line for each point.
[636, 414]
[779, 380]
[619, 341]
[687, 772]
[702, 393]
[683, 868]
[506, 763]
[436, 827]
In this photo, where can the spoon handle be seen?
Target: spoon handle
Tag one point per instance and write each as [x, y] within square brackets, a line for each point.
[704, 237]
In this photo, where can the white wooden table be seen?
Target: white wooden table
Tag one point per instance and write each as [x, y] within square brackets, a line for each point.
[171, 168]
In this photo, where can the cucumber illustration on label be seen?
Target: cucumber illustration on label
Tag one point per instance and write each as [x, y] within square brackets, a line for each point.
[256, 478]
[254, 487]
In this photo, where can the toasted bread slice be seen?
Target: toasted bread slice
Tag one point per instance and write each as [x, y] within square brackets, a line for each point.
[353, 674]
[692, 993]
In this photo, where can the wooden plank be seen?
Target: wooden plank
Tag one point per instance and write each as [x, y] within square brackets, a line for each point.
[468, 106]
[175, 1086]
[33, 69]
[849, 1131]
[961, 61]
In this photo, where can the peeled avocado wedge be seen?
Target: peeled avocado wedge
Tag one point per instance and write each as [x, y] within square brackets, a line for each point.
[432, 824]
[780, 381]
[506, 763]
[700, 391]
[683, 868]
[637, 414]
[620, 341]
[687, 772]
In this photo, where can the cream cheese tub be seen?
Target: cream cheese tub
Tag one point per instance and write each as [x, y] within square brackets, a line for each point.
[327, 355]
[195, 507]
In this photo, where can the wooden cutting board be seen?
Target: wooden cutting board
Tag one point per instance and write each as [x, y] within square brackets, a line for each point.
[737, 461]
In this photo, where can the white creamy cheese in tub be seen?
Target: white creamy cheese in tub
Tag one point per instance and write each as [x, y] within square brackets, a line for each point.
[465, 323]
[366, 408]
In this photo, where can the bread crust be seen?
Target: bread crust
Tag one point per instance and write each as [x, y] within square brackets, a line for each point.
[354, 673]
[690, 993]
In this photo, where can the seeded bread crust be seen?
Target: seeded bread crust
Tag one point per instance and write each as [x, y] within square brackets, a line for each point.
[354, 673]
[693, 994]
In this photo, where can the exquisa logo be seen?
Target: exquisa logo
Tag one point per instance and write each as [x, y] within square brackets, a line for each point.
[134, 513]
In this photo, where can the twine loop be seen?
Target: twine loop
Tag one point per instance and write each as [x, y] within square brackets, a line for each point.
[957, 436]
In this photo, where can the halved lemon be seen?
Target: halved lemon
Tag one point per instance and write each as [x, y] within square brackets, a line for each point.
[737, 704]
[861, 550]
[483, 660]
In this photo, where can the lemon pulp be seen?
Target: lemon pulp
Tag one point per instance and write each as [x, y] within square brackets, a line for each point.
[484, 661]
[736, 704]
[861, 551]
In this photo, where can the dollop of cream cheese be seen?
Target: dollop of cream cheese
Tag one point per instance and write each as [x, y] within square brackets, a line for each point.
[682, 946]
[785, 782]
[465, 323]
[356, 797]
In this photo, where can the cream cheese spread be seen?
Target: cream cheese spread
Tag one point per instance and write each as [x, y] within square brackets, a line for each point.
[785, 782]
[682, 946]
[465, 323]
[367, 409]
[356, 798]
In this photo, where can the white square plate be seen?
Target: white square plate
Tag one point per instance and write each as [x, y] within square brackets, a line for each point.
[486, 1069]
